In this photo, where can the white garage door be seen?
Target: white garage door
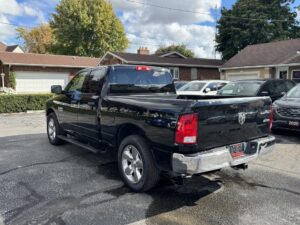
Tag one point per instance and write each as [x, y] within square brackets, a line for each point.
[40, 82]
[234, 77]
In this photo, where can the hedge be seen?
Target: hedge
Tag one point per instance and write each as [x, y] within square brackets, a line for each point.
[12, 103]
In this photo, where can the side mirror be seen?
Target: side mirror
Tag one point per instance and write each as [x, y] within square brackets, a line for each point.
[265, 93]
[56, 89]
[207, 90]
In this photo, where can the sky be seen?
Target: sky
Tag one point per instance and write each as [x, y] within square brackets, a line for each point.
[148, 23]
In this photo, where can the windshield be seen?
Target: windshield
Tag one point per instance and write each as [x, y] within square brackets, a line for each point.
[192, 86]
[294, 93]
[179, 84]
[130, 80]
[240, 89]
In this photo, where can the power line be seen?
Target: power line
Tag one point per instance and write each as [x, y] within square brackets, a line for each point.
[198, 12]
[169, 8]
[15, 25]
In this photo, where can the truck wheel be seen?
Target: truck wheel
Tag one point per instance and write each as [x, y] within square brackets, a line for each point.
[53, 130]
[136, 164]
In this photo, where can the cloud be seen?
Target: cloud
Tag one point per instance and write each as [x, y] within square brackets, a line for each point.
[153, 26]
[6, 31]
[12, 11]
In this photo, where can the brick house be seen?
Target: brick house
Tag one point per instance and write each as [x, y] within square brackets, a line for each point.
[274, 60]
[181, 67]
[37, 72]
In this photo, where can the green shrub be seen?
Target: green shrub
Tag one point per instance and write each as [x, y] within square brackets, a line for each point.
[12, 80]
[23, 102]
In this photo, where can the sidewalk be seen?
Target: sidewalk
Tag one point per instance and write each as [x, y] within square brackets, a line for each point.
[22, 123]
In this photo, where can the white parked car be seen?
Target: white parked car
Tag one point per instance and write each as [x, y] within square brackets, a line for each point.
[202, 87]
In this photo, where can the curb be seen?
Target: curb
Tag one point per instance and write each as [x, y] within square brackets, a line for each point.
[23, 113]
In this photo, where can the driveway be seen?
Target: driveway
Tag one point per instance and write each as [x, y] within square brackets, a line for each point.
[44, 184]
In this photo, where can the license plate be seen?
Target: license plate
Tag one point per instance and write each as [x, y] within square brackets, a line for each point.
[294, 123]
[237, 150]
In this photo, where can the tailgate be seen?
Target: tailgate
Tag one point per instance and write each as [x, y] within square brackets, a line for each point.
[228, 121]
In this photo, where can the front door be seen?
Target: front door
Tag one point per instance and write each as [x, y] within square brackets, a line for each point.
[88, 117]
[69, 101]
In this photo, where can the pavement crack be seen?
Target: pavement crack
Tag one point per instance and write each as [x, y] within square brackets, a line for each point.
[274, 188]
[39, 163]
[33, 198]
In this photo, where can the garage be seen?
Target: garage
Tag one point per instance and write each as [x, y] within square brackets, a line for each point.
[234, 77]
[39, 82]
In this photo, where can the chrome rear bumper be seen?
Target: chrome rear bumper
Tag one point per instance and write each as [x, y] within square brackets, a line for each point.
[218, 158]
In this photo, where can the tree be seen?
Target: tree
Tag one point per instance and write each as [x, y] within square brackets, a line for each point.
[36, 40]
[87, 28]
[182, 49]
[255, 21]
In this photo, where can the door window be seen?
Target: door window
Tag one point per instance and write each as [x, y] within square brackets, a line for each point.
[275, 88]
[77, 82]
[95, 81]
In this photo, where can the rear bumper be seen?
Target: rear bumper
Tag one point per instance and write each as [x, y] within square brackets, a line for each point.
[217, 158]
[284, 124]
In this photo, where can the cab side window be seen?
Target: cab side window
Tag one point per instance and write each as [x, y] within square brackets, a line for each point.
[275, 88]
[77, 83]
[95, 81]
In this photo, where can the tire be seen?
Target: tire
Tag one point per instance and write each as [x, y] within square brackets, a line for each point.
[53, 130]
[136, 164]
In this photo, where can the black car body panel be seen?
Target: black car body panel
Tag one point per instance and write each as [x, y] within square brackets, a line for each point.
[103, 116]
[286, 113]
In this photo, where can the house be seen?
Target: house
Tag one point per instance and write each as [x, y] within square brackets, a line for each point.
[275, 60]
[10, 48]
[37, 72]
[181, 67]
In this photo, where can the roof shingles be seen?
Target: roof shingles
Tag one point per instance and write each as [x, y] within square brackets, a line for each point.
[157, 60]
[273, 53]
[47, 60]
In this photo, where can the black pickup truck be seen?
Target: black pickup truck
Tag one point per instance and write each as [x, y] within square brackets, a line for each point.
[134, 111]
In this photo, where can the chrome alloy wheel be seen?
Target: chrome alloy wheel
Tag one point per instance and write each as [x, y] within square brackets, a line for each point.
[132, 164]
[51, 129]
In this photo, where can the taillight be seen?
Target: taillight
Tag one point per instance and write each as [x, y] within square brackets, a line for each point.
[271, 117]
[143, 68]
[187, 129]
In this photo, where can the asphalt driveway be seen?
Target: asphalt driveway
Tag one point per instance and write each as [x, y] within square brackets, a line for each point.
[43, 184]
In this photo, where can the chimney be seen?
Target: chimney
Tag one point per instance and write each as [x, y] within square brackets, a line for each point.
[143, 51]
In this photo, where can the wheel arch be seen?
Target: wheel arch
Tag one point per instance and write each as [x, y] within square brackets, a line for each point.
[50, 110]
[128, 129]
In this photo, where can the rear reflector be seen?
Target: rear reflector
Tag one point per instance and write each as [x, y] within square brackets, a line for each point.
[271, 117]
[143, 68]
[187, 129]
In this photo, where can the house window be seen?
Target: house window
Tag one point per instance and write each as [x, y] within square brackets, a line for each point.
[296, 76]
[194, 74]
[175, 72]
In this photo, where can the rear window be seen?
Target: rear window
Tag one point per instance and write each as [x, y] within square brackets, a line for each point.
[240, 89]
[130, 80]
[192, 86]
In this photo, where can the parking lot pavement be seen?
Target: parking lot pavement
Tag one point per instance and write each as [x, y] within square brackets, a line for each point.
[43, 184]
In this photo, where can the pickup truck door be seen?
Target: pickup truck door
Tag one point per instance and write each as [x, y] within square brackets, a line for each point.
[67, 106]
[88, 113]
